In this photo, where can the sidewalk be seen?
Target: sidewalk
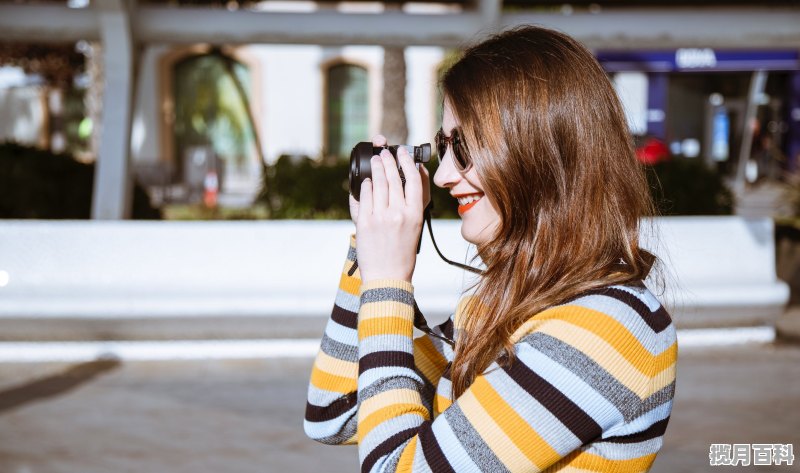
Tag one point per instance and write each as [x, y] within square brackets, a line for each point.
[246, 416]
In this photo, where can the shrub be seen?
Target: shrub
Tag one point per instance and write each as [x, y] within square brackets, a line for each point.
[301, 188]
[681, 186]
[36, 183]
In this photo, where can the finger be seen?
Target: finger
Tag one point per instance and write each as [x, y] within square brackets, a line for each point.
[378, 140]
[380, 190]
[365, 204]
[426, 184]
[393, 181]
[413, 192]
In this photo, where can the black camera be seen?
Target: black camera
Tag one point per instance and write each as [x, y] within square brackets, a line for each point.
[360, 168]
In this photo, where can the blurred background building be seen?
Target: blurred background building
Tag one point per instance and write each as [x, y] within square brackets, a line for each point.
[176, 93]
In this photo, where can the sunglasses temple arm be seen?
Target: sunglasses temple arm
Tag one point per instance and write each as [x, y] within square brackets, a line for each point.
[430, 230]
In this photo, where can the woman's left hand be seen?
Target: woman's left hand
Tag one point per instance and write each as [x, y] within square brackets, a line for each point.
[390, 219]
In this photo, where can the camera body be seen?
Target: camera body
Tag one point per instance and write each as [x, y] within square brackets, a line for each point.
[360, 156]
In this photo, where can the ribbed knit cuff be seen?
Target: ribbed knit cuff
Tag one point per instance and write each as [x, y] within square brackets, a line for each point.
[387, 308]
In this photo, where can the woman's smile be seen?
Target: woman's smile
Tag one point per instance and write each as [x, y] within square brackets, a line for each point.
[467, 201]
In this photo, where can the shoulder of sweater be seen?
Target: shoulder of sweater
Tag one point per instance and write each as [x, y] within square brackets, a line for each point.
[629, 308]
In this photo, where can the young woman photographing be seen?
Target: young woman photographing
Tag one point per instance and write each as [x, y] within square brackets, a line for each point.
[563, 360]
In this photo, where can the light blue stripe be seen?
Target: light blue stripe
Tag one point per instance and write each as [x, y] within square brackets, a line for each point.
[586, 397]
[627, 451]
[641, 423]
[376, 374]
[386, 429]
[548, 426]
[348, 301]
[625, 315]
[453, 450]
[318, 430]
[384, 342]
[341, 334]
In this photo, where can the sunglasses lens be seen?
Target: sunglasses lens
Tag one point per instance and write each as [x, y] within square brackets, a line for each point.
[458, 153]
[442, 141]
[441, 145]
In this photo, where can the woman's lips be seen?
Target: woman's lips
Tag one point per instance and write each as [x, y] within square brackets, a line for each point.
[464, 208]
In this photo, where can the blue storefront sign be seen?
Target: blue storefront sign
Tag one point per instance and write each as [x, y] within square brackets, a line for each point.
[699, 59]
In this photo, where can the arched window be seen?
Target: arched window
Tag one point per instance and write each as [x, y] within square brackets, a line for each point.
[347, 108]
[211, 115]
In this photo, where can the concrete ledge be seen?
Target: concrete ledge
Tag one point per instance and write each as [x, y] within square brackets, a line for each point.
[154, 280]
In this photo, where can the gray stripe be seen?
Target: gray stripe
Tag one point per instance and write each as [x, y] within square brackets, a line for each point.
[351, 255]
[665, 394]
[387, 384]
[338, 350]
[628, 402]
[426, 391]
[387, 294]
[470, 439]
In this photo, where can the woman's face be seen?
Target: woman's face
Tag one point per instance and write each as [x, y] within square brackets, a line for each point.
[479, 218]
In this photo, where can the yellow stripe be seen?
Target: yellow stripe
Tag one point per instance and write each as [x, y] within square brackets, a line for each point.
[504, 448]
[591, 461]
[367, 423]
[329, 364]
[663, 379]
[387, 398]
[428, 359]
[329, 382]
[610, 330]
[385, 326]
[350, 284]
[601, 352]
[666, 359]
[406, 462]
[373, 310]
[440, 404]
[527, 440]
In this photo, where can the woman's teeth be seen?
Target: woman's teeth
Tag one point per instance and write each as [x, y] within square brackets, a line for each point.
[467, 199]
[466, 202]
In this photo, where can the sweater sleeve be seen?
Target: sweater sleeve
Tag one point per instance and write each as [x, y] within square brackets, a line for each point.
[331, 406]
[538, 412]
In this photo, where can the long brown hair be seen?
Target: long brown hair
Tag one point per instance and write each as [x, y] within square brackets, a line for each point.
[549, 139]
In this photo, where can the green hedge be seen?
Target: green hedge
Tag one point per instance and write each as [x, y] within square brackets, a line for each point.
[301, 188]
[40, 184]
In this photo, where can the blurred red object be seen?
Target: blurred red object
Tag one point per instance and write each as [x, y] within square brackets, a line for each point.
[653, 151]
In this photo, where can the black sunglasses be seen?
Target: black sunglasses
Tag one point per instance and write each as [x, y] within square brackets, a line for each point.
[460, 157]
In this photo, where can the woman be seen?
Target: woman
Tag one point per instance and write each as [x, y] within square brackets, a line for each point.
[563, 360]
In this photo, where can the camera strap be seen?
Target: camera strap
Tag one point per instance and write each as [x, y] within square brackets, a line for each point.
[427, 219]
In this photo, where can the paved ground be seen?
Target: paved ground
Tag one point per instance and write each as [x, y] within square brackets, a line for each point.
[245, 416]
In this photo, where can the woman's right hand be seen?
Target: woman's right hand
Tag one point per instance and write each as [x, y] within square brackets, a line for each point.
[380, 140]
[377, 140]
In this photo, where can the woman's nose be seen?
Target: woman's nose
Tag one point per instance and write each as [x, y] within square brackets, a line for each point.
[446, 174]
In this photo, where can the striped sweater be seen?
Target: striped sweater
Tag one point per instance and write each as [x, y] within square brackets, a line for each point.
[591, 388]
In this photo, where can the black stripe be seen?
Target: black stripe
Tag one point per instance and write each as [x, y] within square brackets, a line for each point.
[385, 448]
[381, 359]
[344, 317]
[433, 453]
[570, 414]
[658, 320]
[654, 431]
[331, 411]
[447, 328]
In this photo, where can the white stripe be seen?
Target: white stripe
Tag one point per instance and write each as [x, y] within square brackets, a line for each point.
[157, 350]
[282, 348]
